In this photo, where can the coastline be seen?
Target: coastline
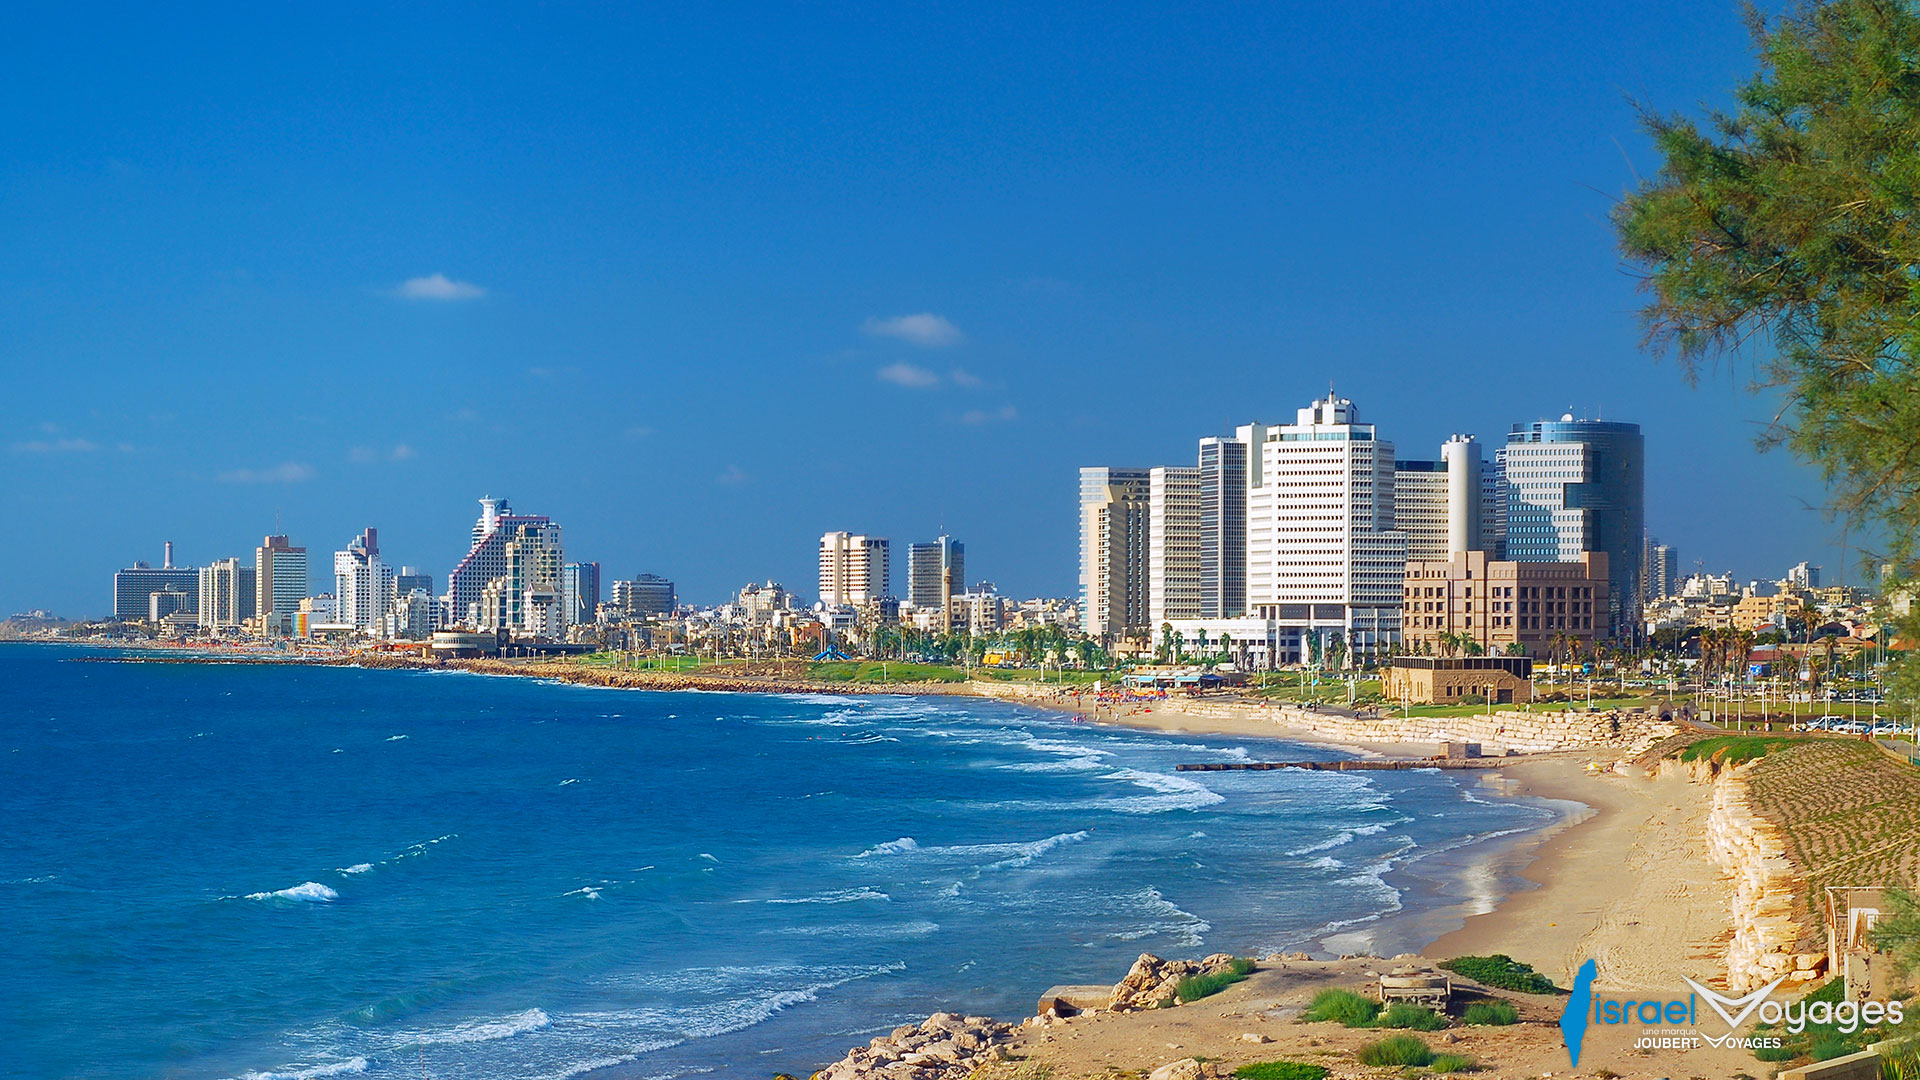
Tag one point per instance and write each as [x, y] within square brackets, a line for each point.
[1579, 886]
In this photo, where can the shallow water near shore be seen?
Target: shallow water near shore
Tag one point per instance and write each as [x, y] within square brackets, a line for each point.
[277, 870]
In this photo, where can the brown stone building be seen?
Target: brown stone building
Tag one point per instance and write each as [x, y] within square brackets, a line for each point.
[1497, 604]
[1439, 680]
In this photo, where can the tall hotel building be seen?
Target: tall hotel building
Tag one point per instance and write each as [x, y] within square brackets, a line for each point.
[1448, 506]
[510, 578]
[226, 594]
[854, 569]
[362, 584]
[1578, 486]
[1223, 528]
[1173, 544]
[1323, 556]
[280, 580]
[1114, 519]
[133, 588]
[936, 572]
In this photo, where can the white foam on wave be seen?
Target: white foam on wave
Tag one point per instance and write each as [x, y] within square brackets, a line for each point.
[1344, 836]
[350, 1067]
[587, 891]
[479, 1031]
[1165, 917]
[309, 891]
[838, 896]
[1171, 793]
[581, 1068]
[1325, 862]
[891, 847]
[356, 868]
[395, 738]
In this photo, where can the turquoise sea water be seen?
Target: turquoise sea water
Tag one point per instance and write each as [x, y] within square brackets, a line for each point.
[280, 871]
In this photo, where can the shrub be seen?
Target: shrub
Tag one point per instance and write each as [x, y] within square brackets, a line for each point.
[1831, 1047]
[1395, 1050]
[1495, 1013]
[1342, 1007]
[1405, 1014]
[1452, 1063]
[1195, 987]
[1502, 971]
[1773, 1053]
[1281, 1070]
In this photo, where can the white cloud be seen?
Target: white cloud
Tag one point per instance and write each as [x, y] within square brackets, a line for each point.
[984, 416]
[438, 287]
[401, 452]
[917, 378]
[927, 330]
[963, 377]
[286, 473]
[55, 446]
[732, 476]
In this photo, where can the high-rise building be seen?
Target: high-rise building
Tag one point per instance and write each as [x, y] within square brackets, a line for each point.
[280, 576]
[1442, 506]
[171, 600]
[1575, 486]
[226, 594]
[1174, 511]
[133, 588]
[486, 561]
[936, 571]
[1223, 528]
[362, 584]
[534, 560]
[1803, 576]
[1114, 516]
[1323, 557]
[1663, 570]
[413, 616]
[648, 594]
[854, 569]
[409, 579]
[580, 590]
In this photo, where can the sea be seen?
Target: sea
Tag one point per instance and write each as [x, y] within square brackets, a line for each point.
[287, 872]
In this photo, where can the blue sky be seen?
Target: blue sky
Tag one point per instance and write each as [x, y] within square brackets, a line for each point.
[702, 285]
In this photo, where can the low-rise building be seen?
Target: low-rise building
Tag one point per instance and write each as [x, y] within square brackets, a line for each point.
[1446, 680]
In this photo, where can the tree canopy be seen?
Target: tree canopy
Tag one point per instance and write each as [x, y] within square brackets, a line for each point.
[1787, 230]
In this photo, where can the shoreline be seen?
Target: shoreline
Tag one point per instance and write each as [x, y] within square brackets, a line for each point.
[1599, 880]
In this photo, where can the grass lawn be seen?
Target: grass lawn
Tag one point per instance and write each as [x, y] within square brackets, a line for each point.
[875, 671]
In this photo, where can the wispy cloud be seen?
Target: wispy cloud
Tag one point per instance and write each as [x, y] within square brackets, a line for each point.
[927, 330]
[904, 374]
[989, 416]
[367, 455]
[438, 287]
[55, 446]
[733, 476]
[963, 377]
[286, 473]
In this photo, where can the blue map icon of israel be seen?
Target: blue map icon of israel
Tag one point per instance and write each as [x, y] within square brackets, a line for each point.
[1573, 1022]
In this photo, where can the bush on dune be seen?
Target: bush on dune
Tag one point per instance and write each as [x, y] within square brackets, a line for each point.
[1395, 1050]
[1342, 1007]
[1502, 971]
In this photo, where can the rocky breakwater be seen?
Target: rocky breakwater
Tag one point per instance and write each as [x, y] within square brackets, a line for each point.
[942, 1047]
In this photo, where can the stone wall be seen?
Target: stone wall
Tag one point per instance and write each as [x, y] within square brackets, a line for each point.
[1766, 941]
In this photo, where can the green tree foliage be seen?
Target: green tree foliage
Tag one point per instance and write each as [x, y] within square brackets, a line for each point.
[1897, 933]
[1789, 224]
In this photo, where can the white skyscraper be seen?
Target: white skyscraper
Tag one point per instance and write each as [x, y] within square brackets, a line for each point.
[1174, 499]
[854, 569]
[226, 594]
[1443, 506]
[488, 561]
[1323, 556]
[362, 584]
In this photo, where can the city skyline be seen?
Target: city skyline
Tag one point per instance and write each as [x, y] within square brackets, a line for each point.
[913, 293]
